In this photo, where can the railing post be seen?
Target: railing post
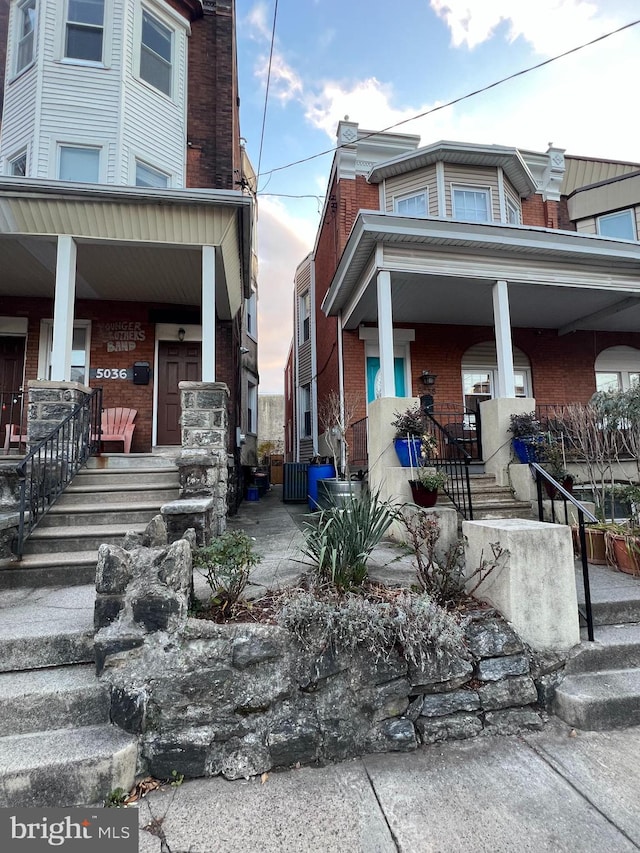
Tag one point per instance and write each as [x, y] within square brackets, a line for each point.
[585, 575]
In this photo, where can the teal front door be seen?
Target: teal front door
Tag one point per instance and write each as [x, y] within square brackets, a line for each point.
[373, 377]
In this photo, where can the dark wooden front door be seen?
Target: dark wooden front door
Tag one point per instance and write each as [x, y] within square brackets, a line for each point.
[11, 376]
[177, 362]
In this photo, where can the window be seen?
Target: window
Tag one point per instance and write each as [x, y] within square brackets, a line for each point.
[79, 351]
[26, 34]
[305, 410]
[252, 318]
[471, 205]
[18, 166]
[84, 30]
[618, 225]
[617, 369]
[79, 164]
[411, 205]
[155, 53]
[147, 176]
[513, 213]
[252, 408]
[305, 316]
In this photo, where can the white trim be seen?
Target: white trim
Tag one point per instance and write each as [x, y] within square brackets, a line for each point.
[400, 336]
[410, 195]
[341, 386]
[487, 190]
[17, 326]
[631, 214]
[11, 159]
[107, 29]
[504, 347]
[442, 189]
[44, 349]
[63, 309]
[385, 332]
[57, 144]
[314, 357]
[147, 163]
[171, 20]
[208, 313]
[17, 20]
[501, 196]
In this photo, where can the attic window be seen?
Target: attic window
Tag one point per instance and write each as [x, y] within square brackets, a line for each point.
[618, 225]
[471, 204]
[415, 204]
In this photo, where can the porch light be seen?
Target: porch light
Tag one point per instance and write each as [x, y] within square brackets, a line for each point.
[428, 379]
[181, 334]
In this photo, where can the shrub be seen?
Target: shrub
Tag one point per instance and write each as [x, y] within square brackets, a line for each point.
[525, 425]
[226, 564]
[412, 622]
[339, 540]
[409, 423]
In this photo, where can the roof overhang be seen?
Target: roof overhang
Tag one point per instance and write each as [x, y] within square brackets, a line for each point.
[133, 244]
[464, 153]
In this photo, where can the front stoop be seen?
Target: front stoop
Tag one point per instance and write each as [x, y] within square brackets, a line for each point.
[57, 744]
[601, 686]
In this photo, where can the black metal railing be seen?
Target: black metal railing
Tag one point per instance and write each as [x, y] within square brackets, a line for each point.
[557, 492]
[449, 455]
[50, 465]
[462, 424]
[358, 445]
[11, 418]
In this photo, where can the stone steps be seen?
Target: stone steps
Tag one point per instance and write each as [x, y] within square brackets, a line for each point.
[55, 540]
[600, 700]
[87, 515]
[46, 570]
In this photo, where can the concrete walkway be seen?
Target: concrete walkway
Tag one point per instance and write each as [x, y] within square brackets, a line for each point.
[550, 791]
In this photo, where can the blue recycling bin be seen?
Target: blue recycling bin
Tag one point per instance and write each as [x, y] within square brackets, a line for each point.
[317, 472]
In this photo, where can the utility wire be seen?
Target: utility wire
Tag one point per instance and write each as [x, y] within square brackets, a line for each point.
[455, 100]
[266, 93]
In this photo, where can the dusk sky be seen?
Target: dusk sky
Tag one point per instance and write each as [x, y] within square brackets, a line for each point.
[380, 63]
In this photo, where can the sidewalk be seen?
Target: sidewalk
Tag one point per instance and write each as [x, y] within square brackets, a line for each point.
[548, 791]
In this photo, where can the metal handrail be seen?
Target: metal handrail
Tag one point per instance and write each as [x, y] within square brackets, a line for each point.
[450, 455]
[50, 465]
[583, 516]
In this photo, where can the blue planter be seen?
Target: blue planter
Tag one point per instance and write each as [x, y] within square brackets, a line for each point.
[408, 450]
[315, 473]
[526, 449]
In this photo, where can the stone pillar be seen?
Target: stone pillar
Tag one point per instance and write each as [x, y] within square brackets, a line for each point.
[202, 463]
[49, 404]
[535, 587]
[496, 438]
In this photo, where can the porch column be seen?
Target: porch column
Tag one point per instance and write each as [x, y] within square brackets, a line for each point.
[63, 306]
[208, 314]
[385, 333]
[504, 347]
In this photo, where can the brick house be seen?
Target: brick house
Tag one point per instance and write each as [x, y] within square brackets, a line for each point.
[504, 273]
[126, 217]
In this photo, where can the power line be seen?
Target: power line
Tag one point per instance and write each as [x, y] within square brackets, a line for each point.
[266, 93]
[455, 100]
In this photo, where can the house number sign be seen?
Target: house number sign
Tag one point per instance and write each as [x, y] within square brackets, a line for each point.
[110, 373]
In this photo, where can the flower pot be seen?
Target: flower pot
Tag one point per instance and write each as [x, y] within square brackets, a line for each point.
[421, 495]
[334, 492]
[408, 451]
[567, 485]
[526, 449]
[596, 545]
[624, 552]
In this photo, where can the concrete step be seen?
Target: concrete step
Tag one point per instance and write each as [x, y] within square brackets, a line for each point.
[58, 698]
[615, 647]
[134, 460]
[598, 701]
[81, 515]
[139, 478]
[615, 597]
[50, 570]
[133, 493]
[54, 540]
[516, 509]
[66, 767]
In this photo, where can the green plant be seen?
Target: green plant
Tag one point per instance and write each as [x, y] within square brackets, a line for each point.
[430, 478]
[378, 624]
[226, 564]
[409, 423]
[525, 425]
[339, 540]
[116, 799]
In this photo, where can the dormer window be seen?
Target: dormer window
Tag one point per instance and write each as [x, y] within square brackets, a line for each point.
[513, 212]
[84, 30]
[25, 34]
[414, 204]
[471, 204]
[619, 225]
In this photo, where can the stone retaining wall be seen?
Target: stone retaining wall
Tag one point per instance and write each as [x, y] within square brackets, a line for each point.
[241, 699]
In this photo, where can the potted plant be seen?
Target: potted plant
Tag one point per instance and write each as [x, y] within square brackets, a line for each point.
[623, 540]
[409, 427]
[526, 430]
[553, 460]
[424, 489]
[336, 414]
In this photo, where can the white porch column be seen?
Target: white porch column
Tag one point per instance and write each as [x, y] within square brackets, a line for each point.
[385, 333]
[502, 322]
[208, 314]
[63, 306]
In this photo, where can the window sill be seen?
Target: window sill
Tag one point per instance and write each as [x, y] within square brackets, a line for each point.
[155, 90]
[83, 63]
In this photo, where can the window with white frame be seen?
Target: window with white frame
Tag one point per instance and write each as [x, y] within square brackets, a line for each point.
[471, 204]
[620, 225]
[513, 212]
[251, 315]
[25, 35]
[413, 204]
[84, 30]
[156, 53]
[147, 176]
[79, 351]
[305, 411]
[252, 408]
[18, 165]
[305, 316]
[617, 369]
[76, 163]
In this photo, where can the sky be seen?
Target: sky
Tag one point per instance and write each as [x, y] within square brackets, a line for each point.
[380, 63]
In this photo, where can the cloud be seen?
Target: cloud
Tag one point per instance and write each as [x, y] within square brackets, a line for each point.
[366, 101]
[284, 240]
[255, 23]
[544, 24]
[284, 84]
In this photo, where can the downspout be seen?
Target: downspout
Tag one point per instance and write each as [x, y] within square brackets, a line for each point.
[341, 387]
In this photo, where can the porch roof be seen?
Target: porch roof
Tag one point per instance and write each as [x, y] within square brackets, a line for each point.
[133, 244]
[443, 271]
